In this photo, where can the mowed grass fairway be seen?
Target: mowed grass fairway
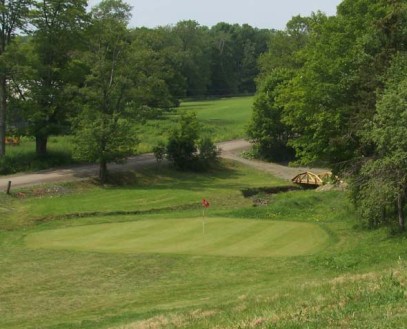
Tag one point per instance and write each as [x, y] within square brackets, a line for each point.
[221, 119]
[132, 256]
[210, 237]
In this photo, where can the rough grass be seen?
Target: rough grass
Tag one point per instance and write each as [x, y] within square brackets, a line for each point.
[23, 158]
[358, 280]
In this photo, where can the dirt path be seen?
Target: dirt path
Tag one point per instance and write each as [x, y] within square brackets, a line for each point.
[230, 150]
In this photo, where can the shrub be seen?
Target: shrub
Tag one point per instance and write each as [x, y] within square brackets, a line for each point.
[208, 152]
[159, 152]
[185, 150]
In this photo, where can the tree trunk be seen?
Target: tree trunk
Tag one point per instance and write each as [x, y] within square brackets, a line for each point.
[103, 172]
[3, 112]
[400, 210]
[41, 145]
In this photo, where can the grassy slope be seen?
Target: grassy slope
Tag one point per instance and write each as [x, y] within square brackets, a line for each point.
[359, 279]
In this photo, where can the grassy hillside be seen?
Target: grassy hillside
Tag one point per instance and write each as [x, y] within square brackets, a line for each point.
[135, 256]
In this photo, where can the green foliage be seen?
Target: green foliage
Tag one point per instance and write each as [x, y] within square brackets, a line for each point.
[14, 16]
[284, 46]
[103, 139]
[208, 151]
[181, 147]
[59, 26]
[51, 67]
[195, 57]
[380, 193]
[186, 150]
[155, 64]
[159, 152]
[266, 128]
[337, 67]
[103, 130]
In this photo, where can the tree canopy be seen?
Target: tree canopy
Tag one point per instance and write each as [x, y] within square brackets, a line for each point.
[339, 106]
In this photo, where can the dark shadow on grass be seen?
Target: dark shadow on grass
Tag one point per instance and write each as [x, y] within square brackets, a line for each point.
[166, 178]
[30, 161]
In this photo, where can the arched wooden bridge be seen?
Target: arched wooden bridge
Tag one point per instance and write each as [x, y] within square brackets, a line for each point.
[310, 179]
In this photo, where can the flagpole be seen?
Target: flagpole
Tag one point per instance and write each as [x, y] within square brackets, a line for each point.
[203, 221]
[205, 204]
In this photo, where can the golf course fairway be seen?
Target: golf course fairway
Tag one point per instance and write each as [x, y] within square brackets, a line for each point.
[212, 237]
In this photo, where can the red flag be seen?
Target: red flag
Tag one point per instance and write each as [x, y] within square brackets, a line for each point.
[205, 203]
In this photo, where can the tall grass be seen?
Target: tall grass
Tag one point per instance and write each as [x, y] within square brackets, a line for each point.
[22, 157]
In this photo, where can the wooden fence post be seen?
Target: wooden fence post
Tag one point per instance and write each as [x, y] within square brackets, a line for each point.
[9, 187]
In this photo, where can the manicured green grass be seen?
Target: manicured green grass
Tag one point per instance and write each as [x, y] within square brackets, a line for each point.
[221, 119]
[189, 236]
[61, 271]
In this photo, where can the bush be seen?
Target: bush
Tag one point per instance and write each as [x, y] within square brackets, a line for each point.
[159, 152]
[186, 151]
[208, 152]
[181, 152]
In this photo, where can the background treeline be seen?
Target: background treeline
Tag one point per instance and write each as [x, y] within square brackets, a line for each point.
[51, 48]
[332, 90]
[66, 70]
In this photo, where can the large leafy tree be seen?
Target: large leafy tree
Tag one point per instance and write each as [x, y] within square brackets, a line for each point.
[267, 129]
[157, 63]
[103, 131]
[13, 18]
[59, 25]
[333, 95]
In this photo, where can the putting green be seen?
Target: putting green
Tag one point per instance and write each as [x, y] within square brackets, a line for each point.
[221, 237]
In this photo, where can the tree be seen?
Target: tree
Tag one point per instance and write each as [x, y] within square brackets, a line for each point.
[59, 25]
[380, 190]
[278, 66]
[266, 129]
[103, 131]
[284, 46]
[13, 17]
[156, 60]
[223, 64]
[195, 51]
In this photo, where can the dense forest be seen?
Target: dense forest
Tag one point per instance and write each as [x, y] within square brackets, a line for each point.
[330, 90]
